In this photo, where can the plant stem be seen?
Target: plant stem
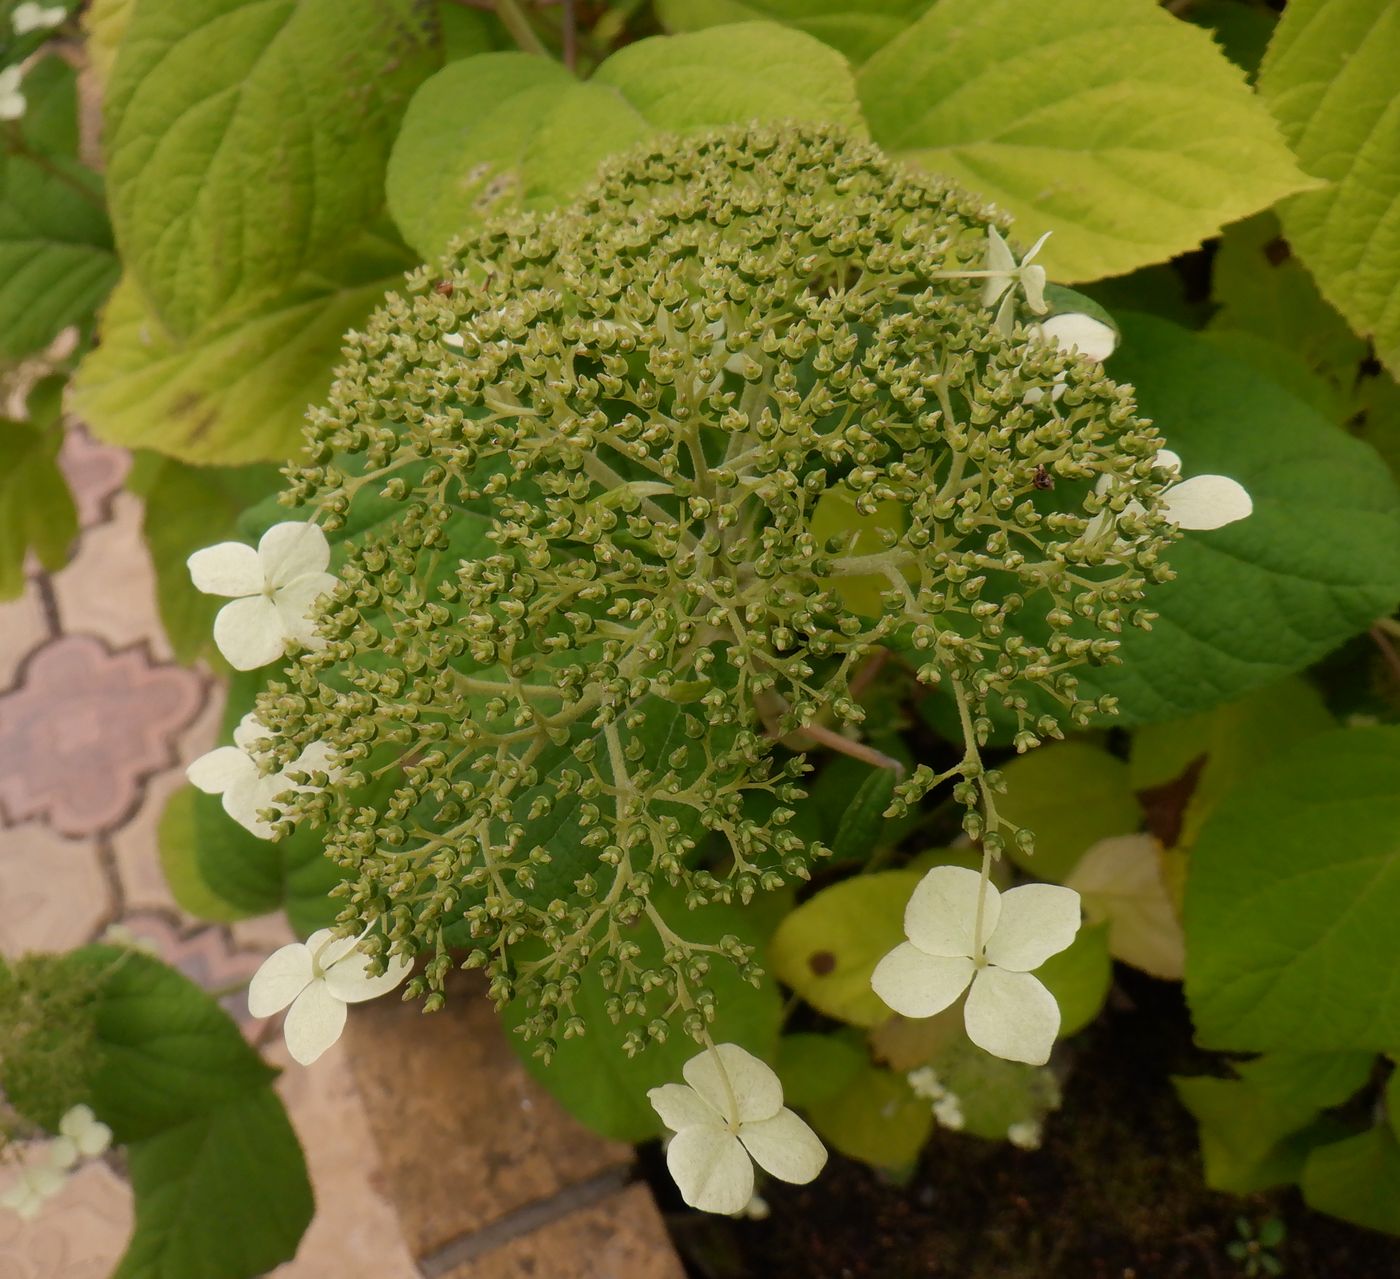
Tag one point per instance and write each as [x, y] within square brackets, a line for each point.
[513, 18]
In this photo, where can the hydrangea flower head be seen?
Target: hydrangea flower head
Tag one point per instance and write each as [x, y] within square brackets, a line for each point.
[1009, 1013]
[727, 1116]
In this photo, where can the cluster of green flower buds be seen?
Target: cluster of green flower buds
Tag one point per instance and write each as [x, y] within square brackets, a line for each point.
[627, 493]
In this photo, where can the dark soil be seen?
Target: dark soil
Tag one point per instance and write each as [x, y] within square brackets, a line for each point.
[1115, 1193]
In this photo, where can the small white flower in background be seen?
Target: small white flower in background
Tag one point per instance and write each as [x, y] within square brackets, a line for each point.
[81, 1135]
[728, 1115]
[1004, 276]
[925, 1083]
[1025, 1135]
[756, 1209]
[315, 980]
[231, 771]
[1009, 1013]
[1202, 503]
[34, 1186]
[273, 589]
[12, 102]
[947, 1110]
[121, 935]
[29, 17]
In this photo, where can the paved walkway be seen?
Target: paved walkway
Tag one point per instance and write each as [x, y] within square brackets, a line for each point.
[431, 1153]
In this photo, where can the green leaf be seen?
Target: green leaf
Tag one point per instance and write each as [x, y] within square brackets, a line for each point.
[179, 862]
[494, 127]
[1070, 795]
[828, 947]
[246, 142]
[509, 127]
[595, 1079]
[1291, 902]
[237, 391]
[56, 258]
[1230, 741]
[187, 507]
[1256, 1131]
[1316, 563]
[863, 822]
[211, 1153]
[815, 1068]
[1357, 1180]
[1109, 122]
[836, 517]
[223, 1196]
[104, 24]
[36, 509]
[1329, 76]
[875, 1118]
[1079, 978]
[856, 27]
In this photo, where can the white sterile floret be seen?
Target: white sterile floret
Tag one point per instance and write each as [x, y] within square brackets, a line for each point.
[316, 980]
[1009, 1013]
[81, 1135]
[32, 1188]
[925, 1083]
[233, 773]
[29, 17]
[1202, 503]
[727, 1116]
[273, 589]
[12, 101]
[948, 1112]
[1005, 275]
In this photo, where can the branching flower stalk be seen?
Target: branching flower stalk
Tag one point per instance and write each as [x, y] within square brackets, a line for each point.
[583, 475]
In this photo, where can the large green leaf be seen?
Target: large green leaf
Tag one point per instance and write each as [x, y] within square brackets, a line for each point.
[56, 258]
[507, 127]
[1357, 1180]
[1124, 131]
[1291, 902]
[220, 1182]
[246, 141]
[828, 947]
[36, 508]
[599, 1082]
[1069, 795]
[875, 1118]
[1329, 76]
[856, 27]
[235, 392]
[1316, 563]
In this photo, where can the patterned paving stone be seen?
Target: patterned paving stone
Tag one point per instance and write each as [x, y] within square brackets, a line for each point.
[620, 1238]
[79, 1234]
[23, 628]
[53, 890]
[95, 473]
[446, 1091]
[85, 729]
[108, 588]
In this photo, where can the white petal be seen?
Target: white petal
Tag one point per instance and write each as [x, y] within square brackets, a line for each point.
[1034, 249]
[785, 1147]
[1166, 460]
[295, 603]
[756, 1089]
[682, 1107]
[941, 916]
[711, 1169]
[999, 256]
[250, 732]
[230, 568]
[95, 1140]
[348, 980]
[63, 1152]
[249, 633]
[291, 550]
[1012, 1015]
[220, 769]
[919, 985]
[1120, 879]
[1207, 502]
[318, 757]
[1075, 331]
[283, 976]
[1033, 283]
[1037, 921]
[247, 799]
[313, 1023]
